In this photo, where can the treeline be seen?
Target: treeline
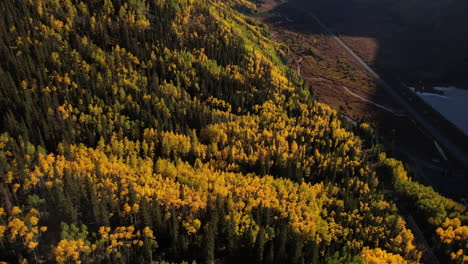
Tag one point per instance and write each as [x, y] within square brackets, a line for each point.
[138, 131]
[444, 221]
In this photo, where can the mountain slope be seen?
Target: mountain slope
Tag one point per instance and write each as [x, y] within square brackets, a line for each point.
[139, 131]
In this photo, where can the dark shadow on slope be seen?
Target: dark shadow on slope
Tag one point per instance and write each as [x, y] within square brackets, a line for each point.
[413, 55]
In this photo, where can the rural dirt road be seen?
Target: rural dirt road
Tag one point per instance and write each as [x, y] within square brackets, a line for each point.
[346, 89]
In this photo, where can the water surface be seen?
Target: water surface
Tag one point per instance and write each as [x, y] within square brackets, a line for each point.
[452, 104]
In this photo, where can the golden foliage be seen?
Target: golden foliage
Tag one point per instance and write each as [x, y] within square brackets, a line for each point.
[379, 256]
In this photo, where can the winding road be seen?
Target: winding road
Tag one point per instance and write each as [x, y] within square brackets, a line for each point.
[347, 90]
[367, 100]
[452, 148]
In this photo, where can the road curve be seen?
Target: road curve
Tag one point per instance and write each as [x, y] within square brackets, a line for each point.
[453, 149]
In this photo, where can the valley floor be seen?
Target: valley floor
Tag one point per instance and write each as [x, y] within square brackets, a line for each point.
[339, 81]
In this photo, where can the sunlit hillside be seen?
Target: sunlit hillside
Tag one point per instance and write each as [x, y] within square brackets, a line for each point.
[145, 131]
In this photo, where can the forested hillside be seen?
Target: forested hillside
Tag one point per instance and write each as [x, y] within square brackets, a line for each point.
[160, 130]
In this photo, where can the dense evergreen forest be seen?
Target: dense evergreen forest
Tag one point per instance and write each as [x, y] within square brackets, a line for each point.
[139, 131]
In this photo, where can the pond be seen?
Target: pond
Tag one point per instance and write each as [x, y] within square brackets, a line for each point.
[452, 103]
